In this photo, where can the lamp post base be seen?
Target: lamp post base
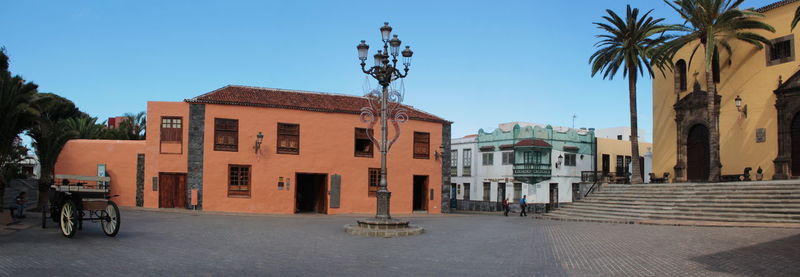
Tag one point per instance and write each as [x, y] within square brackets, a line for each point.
[385, 228]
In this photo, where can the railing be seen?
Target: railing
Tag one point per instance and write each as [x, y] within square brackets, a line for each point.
[596, 178]
[532, 169]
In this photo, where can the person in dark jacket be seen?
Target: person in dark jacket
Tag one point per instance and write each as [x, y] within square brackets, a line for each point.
[523, 205]
[506, 209]
[19, 203]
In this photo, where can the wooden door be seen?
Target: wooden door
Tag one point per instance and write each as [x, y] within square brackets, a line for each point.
[697, 154]
[322, 193]
[606, 164]
[554, 195]
[172, 190]
[641, 167]
[501, 192]
[796, 145]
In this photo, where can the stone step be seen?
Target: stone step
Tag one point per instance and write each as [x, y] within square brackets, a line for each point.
[703, 190]
[699, 196]
[698, 186]
[687, 200]
[648, 214]
[591, 218]
[748, 183]
[768, 212]
[699, 192]
[630, 218]
[772, 202]
[794, 206]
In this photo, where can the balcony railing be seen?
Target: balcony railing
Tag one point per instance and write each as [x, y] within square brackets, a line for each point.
[532, 170]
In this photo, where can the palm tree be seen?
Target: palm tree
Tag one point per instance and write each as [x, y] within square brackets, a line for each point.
[132, 127]
[627, 43]
[3, 60]
[137, 124]
[712, 24]
[17, 113]
[16, 105]
[85, 127]
[50, 134]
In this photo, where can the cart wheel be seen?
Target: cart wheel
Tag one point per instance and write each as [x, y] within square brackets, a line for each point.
[110, 221]
[69, 218]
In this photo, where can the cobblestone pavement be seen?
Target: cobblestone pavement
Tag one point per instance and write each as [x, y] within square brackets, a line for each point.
[178, 243]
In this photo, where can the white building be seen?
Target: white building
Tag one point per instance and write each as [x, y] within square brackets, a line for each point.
[519, 159]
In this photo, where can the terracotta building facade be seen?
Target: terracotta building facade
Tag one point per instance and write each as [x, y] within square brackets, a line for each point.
[261, 150]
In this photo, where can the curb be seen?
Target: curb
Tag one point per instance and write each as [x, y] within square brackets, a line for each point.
[684, 223]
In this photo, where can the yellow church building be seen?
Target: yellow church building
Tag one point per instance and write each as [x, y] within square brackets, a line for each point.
[759, 108]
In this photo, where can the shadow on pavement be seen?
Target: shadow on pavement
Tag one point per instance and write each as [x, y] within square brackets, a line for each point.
[774, 258]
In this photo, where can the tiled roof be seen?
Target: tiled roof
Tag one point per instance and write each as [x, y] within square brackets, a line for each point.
[775, 5]
[297, 100]
[533, 142]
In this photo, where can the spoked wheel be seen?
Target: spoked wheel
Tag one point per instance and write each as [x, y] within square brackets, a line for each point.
[110, 219]
[69, 219]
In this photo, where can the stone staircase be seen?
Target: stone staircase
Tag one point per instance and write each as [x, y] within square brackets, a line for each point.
[763, 203]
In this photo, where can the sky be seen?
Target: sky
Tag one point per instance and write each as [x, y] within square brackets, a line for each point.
[476, 63]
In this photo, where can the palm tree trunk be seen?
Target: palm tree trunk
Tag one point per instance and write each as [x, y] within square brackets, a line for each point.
[45, 181]
[636, 177]
[713, 127]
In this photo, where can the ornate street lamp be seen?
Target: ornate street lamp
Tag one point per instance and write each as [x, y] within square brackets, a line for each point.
[385, 71]
[384, 104]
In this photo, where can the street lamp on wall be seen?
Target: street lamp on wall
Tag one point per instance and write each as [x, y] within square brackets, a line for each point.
[742, 110]
[560, 159]
[259, 140]
[440, 153]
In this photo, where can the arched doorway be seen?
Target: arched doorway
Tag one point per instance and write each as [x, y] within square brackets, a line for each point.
[697, 154]
[796, 145]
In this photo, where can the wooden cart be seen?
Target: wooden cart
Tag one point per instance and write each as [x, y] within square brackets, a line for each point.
[74, 199]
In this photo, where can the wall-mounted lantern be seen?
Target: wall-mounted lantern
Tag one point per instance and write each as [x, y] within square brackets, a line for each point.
[742, 110]
[440, 153]
[560, 159]
[259, 140]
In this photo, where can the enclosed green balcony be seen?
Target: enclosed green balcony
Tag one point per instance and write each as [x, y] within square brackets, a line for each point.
[532, 170]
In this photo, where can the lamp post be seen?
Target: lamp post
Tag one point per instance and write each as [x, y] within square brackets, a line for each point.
[385, 72]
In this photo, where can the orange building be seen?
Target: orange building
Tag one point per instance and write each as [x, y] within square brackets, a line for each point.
[260, 150]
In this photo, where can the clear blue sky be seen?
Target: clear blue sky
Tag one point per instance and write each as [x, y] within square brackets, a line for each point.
[477, 63]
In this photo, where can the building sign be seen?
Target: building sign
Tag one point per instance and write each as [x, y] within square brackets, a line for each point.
[101, 172]
[761, 135]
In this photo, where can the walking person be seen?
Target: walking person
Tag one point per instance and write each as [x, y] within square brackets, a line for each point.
[506, 209]
[19, 201]
[523, 205]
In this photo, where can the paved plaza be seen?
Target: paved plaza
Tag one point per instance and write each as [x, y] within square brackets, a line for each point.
[167, 243]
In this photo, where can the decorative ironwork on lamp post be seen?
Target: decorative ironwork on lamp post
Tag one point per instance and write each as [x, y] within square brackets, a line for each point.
[385, 104]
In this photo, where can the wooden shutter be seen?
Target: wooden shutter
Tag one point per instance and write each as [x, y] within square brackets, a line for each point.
[421, 145]
[226, 134]
[336, 182]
